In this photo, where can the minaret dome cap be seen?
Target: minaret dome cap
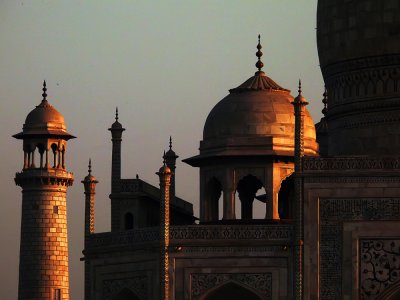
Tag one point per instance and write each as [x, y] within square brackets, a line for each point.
[44, 119]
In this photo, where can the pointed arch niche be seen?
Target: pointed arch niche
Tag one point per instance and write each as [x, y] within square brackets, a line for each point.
[126, 294]
[231, 291]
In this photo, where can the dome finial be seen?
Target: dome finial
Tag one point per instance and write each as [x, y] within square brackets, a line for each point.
[325, 102]
[170, 142]
[44, 91]
[116, 114]
[164, 161]
[259, 54]
[90, 167]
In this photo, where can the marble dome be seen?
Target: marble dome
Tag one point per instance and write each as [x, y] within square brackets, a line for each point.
[44, 119]
[258, 108]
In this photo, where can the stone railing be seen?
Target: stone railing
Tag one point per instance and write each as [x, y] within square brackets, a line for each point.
[350, 163]
[196, 233]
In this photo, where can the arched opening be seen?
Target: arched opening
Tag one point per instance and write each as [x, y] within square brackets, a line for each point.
[32, 164]
[126, 294]
[41, 152]
[390, 293]
[286, 198]
[232, 291]
[247, 189]
[213, 199]
[54, 149]
[394, 296]
[128, 221]
[63, 157]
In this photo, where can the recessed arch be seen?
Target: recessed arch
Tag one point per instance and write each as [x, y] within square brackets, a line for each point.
[231, 291]
[126, 294]
[128, 221]
[391, 293]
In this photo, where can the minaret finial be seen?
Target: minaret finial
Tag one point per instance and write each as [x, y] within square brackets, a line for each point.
[259, 63]
[299, 87]
[164, 161]
[44, 91]
[90, 167]
[116, 114]
[325, 102]
[170, 142]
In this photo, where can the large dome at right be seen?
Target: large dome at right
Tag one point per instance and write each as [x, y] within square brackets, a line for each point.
[349, 29]
[359, 53]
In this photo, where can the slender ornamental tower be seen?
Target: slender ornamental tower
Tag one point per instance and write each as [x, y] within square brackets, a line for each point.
[116, 138]
[299, 104]
[43, 268]
[164, 175]
[89, 184]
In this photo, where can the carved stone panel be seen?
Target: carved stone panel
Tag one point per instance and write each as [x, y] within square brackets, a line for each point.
[333, 212]
[379, 266]
[261, 283]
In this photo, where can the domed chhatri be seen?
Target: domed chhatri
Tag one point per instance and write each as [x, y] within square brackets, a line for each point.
[258, 108]
[248, 136]
[44, 119]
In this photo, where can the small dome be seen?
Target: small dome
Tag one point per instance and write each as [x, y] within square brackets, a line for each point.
[44, 120]
[259, 108]
[44, 116]
[116, 126]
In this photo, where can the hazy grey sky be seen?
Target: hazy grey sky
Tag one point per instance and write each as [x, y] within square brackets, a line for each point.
[165, 64]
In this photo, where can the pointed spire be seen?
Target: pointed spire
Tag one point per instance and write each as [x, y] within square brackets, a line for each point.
[299, 90]
[299, 98]
[90, 167]
[170, 142]
[325, 102]
[116, 114]
[164, 161]
[259, 54]
[44, 91]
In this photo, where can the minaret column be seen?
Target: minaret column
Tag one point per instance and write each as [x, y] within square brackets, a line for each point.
[89, 184]
[43, 264]
[116, 138]
[165, 180]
